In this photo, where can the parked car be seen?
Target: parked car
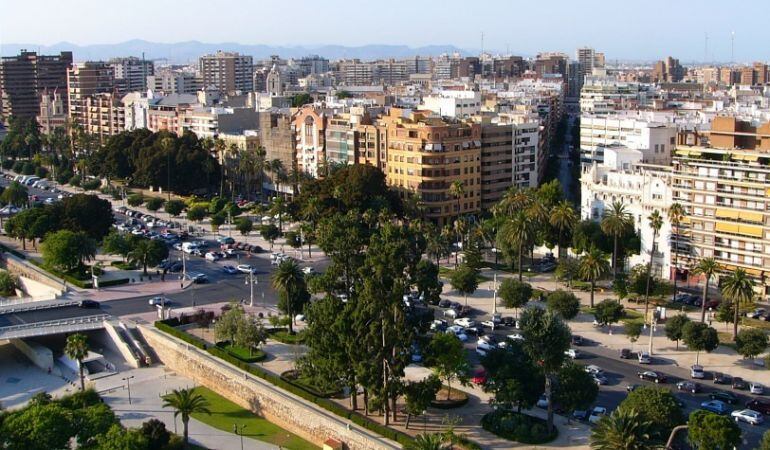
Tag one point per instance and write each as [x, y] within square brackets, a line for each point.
[725, 396]
[696, 371]
[444, 303]
[631, 387]
[596, 414]
[756, 313]
[231, 270]
[438, 325]
[740, 383]
[198, 278]
[593, 370]
[581, 414]
[542, 402]
[715, 406]
[465, 322]
[577, 340]
[644, 358]
[651, 375]
[175, 267]
[720, 378]
[158, 300]
[245, 268]
[573, 353]
[211, 256]
[688, 386]
[488, 324]
[225, 240]
[600, 379]
[308, 270]
[89, 304]
[508, 321]
[516, 337]
[747, 415]
[479, 377]
[625, 353]
[756, 388]
[758, 405]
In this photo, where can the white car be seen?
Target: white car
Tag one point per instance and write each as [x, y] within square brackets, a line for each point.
[308, 270]
[516, 337]
[244, 268]
[696, 371]
[488, 324]
[542, 402]
[483, 346]
[747, 415]
[594, 370]
[159, 300]
[572, 353]
[211, 256]
[465, 322]
[756, 388]
[596, 414]
[644, 358]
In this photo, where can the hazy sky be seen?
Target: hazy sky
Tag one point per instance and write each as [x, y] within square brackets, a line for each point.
[622, 29]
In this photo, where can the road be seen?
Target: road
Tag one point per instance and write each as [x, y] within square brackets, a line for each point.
[565, 175]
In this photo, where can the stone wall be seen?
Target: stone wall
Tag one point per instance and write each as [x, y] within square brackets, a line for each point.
[22, 268]
[276, 405]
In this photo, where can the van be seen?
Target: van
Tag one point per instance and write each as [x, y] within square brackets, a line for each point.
[29, 181]
[189, 247]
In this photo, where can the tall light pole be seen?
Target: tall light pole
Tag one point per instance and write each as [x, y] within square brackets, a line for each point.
[653, 323]
[128, 386]
[239, 432]
[251, 281]
[494, 296]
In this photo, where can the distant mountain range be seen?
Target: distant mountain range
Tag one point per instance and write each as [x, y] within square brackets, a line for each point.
[188, 52]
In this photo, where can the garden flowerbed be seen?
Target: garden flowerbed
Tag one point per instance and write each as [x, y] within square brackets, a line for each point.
[518, 427]
[242, 353]
[455, 399]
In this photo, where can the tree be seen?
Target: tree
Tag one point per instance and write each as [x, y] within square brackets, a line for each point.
[620, 286]
[563, 217]
[269, 233]
[186, 402]
[301, 99]
[456, 191]
[739, 288]
[250, 334]
[656, 222]
[447, 356]
[593, 265]
[675, 327]
[154, 203]
[615, 222]
[135, 199]
[118, 438]
[676, 214]
[8, 284]
[174, 207]
[708, 267]
[226, 327]
[709, 431]
[725, 312]
[765, 444]
[512, 377]
[564, 303]
[197, 212]
[76, 348]
[427, 282]
[16, 194]
[515, 294]
[92, 421]
[244, 225]
[567, 269]
[217, 220]
[147, 252]
[546, 338]
[116, 243]
[516, 233]
[608, 312]
[289, 281]
[66, 250]
[751, 342]
[633, 330]
[657, 406]
[464, 280]
[574, 387]
[418, 396]
[38, 427]
[89, 214]
[624, 429]
[156, 434]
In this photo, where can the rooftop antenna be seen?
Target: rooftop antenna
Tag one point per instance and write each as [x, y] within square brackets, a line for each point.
[482, 43]
[706, 49]
[732, 47]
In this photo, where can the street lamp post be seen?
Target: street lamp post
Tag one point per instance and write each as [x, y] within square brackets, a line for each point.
[653, 323]
[494, 295]
[128, 386]
[239, 432]
[251, 281]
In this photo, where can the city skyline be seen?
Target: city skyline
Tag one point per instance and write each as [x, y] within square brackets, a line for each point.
[518, 29]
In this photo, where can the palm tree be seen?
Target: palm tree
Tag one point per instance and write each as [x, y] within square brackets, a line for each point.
[593, 265]
[513, 200]
[289, 280]
[621, 430]
[563, 217]
[275, 166]
[142, 253]
[77, 348]
[615, 222]
[739, 288]
[219, 147]
[186, 402]
[434, 441]
[708, 267]
[518, 232]
[675, 216]
[461, 228]
[656, 222]
[259, 167]
[456, 190]
[278, 207]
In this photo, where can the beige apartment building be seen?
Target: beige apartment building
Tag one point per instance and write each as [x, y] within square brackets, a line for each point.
[227, 71]
[85, 80]
[103, 115]
[723, 181]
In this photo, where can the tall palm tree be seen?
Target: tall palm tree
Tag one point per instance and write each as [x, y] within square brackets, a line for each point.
[675, 216]
[621, 430]
[656, 222]
[739, 288]
[186, 402]
[708, 267]
[563, 217]
[275, 166]
[142, 254]
[513, 200]
[289, 280]
[77, 348]
[259, 167]
[461, 229]
[220, 146]
[615, 222]
[518, 232]
[456, 190]
[592, 266]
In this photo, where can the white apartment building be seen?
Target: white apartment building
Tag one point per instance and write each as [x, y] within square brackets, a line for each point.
[603, 95]
[449, 103]
[642, 188]
[656, 140]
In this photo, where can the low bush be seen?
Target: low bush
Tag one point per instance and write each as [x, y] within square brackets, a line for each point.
[7, 164]
[91, 185]
[282, 335]
[518, 427]
[18, 166]
[74, 180]
[241, 353]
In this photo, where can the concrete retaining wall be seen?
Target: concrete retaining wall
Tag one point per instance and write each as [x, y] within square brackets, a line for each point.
[39, 355]
[276, 405]
[123, 347]
[22, 268]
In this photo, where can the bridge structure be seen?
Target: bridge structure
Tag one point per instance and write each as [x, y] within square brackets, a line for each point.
[47, 318]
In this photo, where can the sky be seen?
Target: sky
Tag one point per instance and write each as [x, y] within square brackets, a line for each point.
[622, 29]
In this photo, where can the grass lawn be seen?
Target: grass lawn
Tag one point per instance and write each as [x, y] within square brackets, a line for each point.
[243, 353]
[761, 324]
[283, 336]
[225, 413]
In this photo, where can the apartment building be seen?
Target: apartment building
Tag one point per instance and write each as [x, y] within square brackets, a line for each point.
[668, 70]
[227, 71]
[597, 133]
[103, 115]
[210, 122]
[25, 77]
[603, 95]
[723, 182]
[310, 125]
[453, 103]
[169, 81]
[131, 73]
[165, 113]
[85, 80]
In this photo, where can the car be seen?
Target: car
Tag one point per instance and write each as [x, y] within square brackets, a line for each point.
[451, 313]
[724, 396]
[465, 322]
[542, 402]
[651, 375]
[600, 379]
[596, 414]
[696, 371]
[720, 378]
[489, 324]
[625, 353]
[577, 340]
[740, 384]
[212, 256]
[438, 325]
[756, 388]
[572, 353]
[479, 377]
[245, 268]
[715, 406]
[644, 358]
[455, 305]
[594, 370]
[688, 386]
[230, 270]
[631, 387]
[89, 304]
[515, 337]
[444, 303]
[198, 278]
[177, 246]
[508, 321]
[581, 414]
[475, 330]
[758, 405]
[756, 313]
[308, 270]
[158, 300]
[225, 240]
[747, 415]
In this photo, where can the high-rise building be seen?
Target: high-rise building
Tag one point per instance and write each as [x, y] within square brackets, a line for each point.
[25, 77]
[131, 73]
[103, 115]
[85, 80]
[551, 63]
[655, 140]
[167, 81]
[227, 71]
[586, 57]
[668, 70]
[310, 65]
[761, 75]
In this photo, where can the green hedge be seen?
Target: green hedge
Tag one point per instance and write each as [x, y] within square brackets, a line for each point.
[518, 427]
[115, 282]
[365, 422]
[241, 353]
